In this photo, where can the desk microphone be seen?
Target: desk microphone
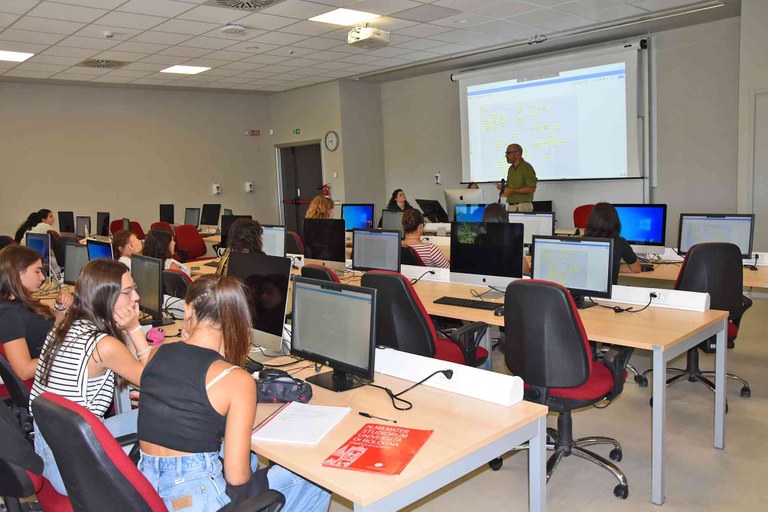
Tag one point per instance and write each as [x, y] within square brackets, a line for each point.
[501, 191]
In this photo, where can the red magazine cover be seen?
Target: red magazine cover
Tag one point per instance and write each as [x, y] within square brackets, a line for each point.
[379, 449]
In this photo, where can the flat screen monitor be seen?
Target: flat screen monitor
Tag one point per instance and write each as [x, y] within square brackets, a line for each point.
[98, 249]
[273, 240]
[583, 265]
[41, 242]
[392, 221]
[266, 279]
[643, 226]
[324, 239]
[357, 216]
[227, 211]
[126, 223]
[147, 273]
[166, 213]
[486, 253]
[226, 225]
[454, 196]
[468, 212]
[67, 222]
[192, 216]
[82, 227]
[540, 224]
[334, 324]
[432, 210]
[698, 228]
[76, 256]
[102, 223]
[376, 250]
[210, 215]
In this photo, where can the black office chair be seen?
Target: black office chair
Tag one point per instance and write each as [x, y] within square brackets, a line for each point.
[717, 269]
[176, 283]
[320, 272]
[409, 256]
[546, 346]
[17, 394]
[293, 243]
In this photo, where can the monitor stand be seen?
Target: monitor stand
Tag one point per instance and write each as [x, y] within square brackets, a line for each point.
[492, 294]
[337, 380]
[582, 303]
[157, 322]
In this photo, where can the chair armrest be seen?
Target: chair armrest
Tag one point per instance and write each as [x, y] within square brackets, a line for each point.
[616, 360]
[267, 501]
[468, 337]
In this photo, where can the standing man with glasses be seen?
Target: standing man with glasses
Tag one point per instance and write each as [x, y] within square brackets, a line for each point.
[521, 181]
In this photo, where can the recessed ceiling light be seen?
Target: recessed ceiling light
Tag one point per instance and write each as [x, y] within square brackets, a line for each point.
[345, 17]
[186, 70]
[14, 56]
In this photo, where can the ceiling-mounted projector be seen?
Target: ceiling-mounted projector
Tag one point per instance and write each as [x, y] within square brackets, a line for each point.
[369, 38]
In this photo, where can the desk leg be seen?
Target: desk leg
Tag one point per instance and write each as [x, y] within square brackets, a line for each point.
[720, 369]
[659, 420]
[537, 468]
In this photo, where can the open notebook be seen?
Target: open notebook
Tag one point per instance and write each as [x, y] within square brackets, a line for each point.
[298, 423]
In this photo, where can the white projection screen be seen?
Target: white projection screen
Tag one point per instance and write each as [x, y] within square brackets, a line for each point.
[575, 115]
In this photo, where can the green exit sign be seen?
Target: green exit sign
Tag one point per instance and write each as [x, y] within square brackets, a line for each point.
[297, 131]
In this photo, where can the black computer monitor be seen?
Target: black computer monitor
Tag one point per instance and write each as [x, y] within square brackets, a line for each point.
[486, 253]
[534, 223]
[98, 249]
[583, 265]
[147, 273]
[468, 212]
[102, 223]
[67, 222]
[76, 256]
[226, 225]
[374, 249]
[357, 216]
[210, 215]
[126, 223]
[41, 242]
[462, 196]
[82, 226]
[166, 213]
[324, 239]
[192, 216]
[334, 324]
[643, 226]
[432, 210]
[697, 228]
[273, 240]
[266, 279]
[392, 221]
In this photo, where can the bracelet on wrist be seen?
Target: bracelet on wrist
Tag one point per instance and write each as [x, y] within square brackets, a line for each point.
[58, 307]
[134, 330]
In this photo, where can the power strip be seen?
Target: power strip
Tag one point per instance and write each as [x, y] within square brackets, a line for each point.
[672, 299]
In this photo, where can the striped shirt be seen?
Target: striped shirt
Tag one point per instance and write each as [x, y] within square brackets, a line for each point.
[69, 371]
[430, 255]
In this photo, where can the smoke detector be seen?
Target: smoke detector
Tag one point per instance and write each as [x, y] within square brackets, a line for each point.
[233, 30]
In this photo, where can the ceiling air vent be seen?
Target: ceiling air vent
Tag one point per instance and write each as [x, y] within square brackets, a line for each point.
[103, 64]
[243, 5]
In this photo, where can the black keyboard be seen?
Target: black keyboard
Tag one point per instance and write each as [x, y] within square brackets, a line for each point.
[469, 303]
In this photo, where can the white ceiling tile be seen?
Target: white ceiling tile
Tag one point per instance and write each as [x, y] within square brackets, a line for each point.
[132, 46]
[507, 29]
[264, 59]
[99, 4]
[318, 43]
[300, 61]
[288, 51]
[660, 5]
[304, 71]
[419, 56]
[331, 64]
[567, 23]
[463, 21]
[67, 12]
[88, 42]
[388, 52]
[183, 51]
[328, 55]
[118, 33]
[212, 14]
[423, 30]
[145, 66]
[448, 49]
[427, 13]
[167, 77]
[39, 66]
[547, 3]
[129, 73]
[166, 8]
[391, 24]
[241, 66]
[420, 44]
[252, 47]
[255, 75]
[392, 62]
[48, 25]
[227, 55]
[505, 9]
[128, 20]
[6, 19]
[76, 70]
[539, 18]
[149, 81]
[219, 73]
[584, 7]
[178, 26]
[385, 6]
[17, 6]
[160, 59]
[308, 28]
[232, 80]
[468, 5]
[359, 59]
[52, 59]
[110, 79]
[206, 62]
[297, 9]
[29, 74]
[24, 36]
[280, 38]
[17, 46]
[265, 21]
[63, 51]
[124, 56]
[166, 38]
[212, 43]
[615, 13]
[277, 68]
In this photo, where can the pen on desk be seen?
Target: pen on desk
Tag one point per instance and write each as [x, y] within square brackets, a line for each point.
[367, 415]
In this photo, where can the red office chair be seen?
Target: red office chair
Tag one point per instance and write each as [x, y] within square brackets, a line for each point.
[717, 269]
[97, 473]
[409, 256]
[403, 323]
[320, 272]
[176, 283]
[189, 241]
[546, 346]
[162, 225]
[580, 216]
[115, 226]
[137, 230]
[21, 471]
[293, 243]
[15, 392]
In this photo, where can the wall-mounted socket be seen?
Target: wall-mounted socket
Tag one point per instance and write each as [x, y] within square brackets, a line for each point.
[215, 189]
[248, 187]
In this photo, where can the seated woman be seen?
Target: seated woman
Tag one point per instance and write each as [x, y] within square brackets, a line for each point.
[413, 228]
[40, 221]
[497, 212]
[321, 207]
[124, 245]
[398, 202]
[24, 321]
[244, 236]
[192, 396]
[83, 353]
[604, 222]
[159, 244]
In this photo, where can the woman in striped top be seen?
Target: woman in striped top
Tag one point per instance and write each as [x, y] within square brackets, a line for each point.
[81, 355]
[413, 228]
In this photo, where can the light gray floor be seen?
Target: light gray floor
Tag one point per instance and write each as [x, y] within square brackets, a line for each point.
[699, 478]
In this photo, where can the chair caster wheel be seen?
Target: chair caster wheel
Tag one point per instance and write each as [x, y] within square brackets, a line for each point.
[746, 392]
[616, 454]
[641, 380]
[496, 464]
[621, 491]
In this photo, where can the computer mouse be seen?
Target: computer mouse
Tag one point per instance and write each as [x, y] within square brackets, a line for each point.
[499, 311]
[646, 267]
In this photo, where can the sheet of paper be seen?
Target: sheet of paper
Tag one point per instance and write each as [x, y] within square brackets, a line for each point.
[298, 423]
